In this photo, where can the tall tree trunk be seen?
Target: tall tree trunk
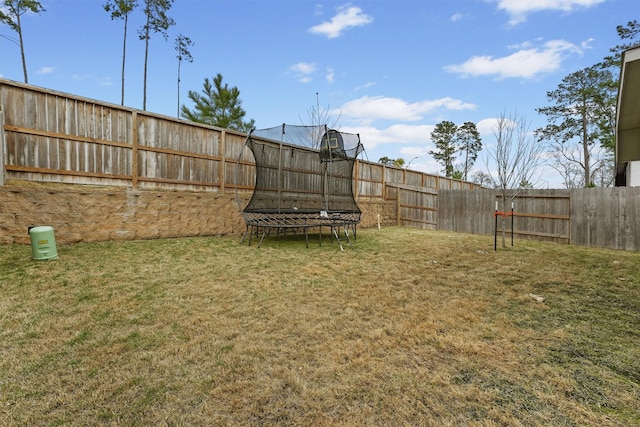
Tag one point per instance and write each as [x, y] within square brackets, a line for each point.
[24, 61]
[124, 54]
[178, 113]
[466, 161]
[585, 151]
[146, 57]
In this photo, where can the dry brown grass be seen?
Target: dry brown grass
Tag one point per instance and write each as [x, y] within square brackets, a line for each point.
[409, 327]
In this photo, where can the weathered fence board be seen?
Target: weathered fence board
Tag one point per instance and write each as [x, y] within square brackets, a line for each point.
[606, 217]
[2, 145]
[52, 136]
[542, 215]
[538, 214]
[468, 211]
[415, 206]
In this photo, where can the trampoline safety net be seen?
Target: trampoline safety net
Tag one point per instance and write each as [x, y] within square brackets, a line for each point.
[304, 177]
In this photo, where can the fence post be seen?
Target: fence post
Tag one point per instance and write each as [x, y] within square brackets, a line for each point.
[134, 149]
[2, 148]
[222, 170]
[398, 208]
[384, 184]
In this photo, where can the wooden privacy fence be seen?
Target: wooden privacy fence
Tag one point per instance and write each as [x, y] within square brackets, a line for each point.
[601, 217]
[606, 217]
[415, 207]
[50, 136]
[541, 215]
[56, 137]
[538, 214]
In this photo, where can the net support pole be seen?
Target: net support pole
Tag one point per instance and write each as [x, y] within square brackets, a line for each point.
[511, 223]
[495, 229]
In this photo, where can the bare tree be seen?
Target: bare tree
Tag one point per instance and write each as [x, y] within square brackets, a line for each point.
[11, 14]
[516, 157]
[567, 163]
[319, 117]
[483, 179]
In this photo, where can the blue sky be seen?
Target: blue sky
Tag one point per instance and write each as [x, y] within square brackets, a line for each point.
[390, 70]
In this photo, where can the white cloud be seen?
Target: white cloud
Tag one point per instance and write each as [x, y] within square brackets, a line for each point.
[303, 71]
[330, 76]
[486, 127]
[396, 134]
[417, 158]
[46, 70]
[519, 9]
[102, 81]
[347, 17]
[379, 107]
[527, 63]
[364, 86]
[586, 44]
[457, 17]
[415, 153]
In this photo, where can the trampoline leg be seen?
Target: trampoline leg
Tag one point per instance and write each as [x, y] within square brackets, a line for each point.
[262, 238]
[320, 234]
[346, 233]
[244, 235]
[335, 233]
[250, 235]
[306, 236]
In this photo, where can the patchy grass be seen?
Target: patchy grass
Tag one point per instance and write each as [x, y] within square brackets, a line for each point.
[409, 327]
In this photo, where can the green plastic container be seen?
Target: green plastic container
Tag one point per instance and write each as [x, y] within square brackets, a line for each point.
[43, 243]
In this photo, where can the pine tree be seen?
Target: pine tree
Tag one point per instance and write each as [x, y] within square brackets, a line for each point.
[217, 105]
[444, 138]
[470, 144]
[575, 120]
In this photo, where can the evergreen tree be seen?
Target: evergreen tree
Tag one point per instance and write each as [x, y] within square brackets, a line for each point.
[470, 144]
[387, 161]
[444, 138]
[217, 105]
[581, 104]
[11, 15]
[484, 179]
[630, 32]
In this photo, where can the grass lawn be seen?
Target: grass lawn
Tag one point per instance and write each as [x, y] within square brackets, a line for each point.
[410, 327]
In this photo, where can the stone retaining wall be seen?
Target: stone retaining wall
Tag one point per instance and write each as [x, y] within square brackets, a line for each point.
[81, 213]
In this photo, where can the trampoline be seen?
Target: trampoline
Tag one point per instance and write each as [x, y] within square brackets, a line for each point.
[303, 181]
